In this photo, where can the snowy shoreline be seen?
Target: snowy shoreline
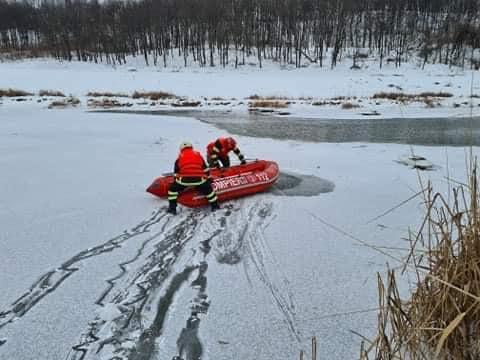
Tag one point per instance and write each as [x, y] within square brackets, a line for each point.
[311, 92]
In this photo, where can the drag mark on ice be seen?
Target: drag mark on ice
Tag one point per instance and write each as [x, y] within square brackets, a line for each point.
[243, 241]
[189, 345]
[259, 253]
[120, 322]
[133, 318]
[50, 281]
[123, 266]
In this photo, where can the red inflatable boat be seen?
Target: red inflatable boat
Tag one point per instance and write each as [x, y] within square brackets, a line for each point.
[229, 183]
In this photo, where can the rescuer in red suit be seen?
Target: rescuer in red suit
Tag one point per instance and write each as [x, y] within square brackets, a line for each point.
[190, 170]
[217, 152]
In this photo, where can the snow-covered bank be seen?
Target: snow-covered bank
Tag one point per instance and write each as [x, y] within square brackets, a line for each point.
[308, 92]
[277, 273]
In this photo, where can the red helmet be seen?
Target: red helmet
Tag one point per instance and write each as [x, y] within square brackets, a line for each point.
[231, 142]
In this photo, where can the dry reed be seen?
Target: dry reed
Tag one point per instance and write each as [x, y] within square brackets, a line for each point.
[268, 98]
[54, 93]
[404, 97]
[314, 350]
[106, 103]
[67, 102]
[441, 319]
[105, 94]
[268, 104]
[186, 104]
[153, 95]
[13, 93]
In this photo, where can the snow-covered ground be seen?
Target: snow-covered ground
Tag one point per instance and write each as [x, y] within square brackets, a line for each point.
[313, 91]
[93, 267]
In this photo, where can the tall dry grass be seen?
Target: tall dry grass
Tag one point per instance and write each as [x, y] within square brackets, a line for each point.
[153, 95]
[268, 98]
[441, 319]
[268, 104]
[54, 93]
[405, 97]
[107, 103]
[70, 101]
[313, 352]
[14, 93]
[105, 94]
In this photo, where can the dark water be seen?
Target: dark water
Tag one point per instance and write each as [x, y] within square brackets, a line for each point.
[446, 131]
[455, 132]
[292, 184]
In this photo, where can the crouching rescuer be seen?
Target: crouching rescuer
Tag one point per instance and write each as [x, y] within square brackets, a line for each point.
[190, 171]
[217, 152]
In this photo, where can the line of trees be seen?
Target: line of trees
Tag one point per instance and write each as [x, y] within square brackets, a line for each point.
[213, 32]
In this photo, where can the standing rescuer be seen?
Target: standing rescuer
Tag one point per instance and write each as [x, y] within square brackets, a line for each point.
[217, 152]
[190, 170]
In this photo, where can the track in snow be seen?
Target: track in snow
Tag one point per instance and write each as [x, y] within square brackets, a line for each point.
[266, 266]
[174, 252]
[133, 310]
[122, 310]
[47, 283]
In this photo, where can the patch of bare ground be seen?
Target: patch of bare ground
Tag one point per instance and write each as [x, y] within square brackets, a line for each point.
[153, 95]
[326, 102]
[105, 94]
[107, 103]
[349, 106]
[67, 102]
[186, 104]
[53, 93]
[337, 98]
[14, 93]
[221, 103]
[218, 100]
[430, 103]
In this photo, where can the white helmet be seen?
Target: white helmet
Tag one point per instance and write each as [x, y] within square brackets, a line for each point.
[185, 144]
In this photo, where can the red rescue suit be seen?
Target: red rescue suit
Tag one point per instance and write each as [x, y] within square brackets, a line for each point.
[190, 164]
[190, 170]
[218, 150]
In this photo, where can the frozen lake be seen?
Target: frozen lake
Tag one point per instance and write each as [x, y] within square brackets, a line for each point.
[93, 268]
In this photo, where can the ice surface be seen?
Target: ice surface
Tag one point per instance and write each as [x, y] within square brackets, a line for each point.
[91, 262]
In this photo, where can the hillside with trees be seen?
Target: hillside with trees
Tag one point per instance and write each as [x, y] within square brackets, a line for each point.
[218, 32]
